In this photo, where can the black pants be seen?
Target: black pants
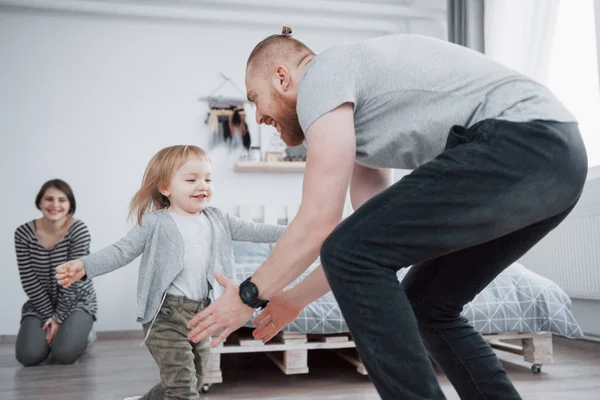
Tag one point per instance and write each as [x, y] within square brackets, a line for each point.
[497, 189]
[69, 343]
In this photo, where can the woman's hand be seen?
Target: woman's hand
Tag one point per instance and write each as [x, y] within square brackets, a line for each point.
[69, 273]
[280, 312]
[51, 327]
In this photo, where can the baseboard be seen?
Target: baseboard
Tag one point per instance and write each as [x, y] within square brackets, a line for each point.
[120, 335]
[104, 335]
[591, 337]
[8, 339]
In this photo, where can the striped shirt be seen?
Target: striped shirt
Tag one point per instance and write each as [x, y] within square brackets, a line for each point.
[37, 265]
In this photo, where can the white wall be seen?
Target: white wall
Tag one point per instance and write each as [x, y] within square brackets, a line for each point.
[89, 99]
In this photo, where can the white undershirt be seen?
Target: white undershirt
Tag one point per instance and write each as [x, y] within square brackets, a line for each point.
[197, 238]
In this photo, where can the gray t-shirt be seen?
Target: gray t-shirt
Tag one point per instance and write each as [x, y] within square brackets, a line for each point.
[409, 90]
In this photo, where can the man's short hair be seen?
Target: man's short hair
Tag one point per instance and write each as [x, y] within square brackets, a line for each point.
[277, 48]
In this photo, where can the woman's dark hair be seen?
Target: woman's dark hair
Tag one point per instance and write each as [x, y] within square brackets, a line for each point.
[59, 185]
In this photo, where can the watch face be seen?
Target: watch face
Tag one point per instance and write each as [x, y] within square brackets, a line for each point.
[248, 292]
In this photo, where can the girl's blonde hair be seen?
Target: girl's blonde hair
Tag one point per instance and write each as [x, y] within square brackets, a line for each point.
[157, 176]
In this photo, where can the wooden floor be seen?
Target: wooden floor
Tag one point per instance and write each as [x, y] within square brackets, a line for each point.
[116, 369]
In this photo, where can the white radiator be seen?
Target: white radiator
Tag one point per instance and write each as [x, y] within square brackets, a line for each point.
[570, 255]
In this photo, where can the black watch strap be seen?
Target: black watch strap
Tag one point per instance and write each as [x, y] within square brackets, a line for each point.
[249, 295]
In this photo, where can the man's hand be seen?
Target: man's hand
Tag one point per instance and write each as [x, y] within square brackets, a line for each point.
[226, 315]
[280, 312]
[51, 327]
[69, 273]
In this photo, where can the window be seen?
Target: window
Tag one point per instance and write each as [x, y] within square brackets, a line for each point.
[573, 69]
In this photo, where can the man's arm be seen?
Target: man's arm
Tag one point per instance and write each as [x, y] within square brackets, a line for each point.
[331, 151]
[365, 183]
[313, 287]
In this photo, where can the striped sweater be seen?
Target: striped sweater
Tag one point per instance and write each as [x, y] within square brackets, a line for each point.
[37, 266]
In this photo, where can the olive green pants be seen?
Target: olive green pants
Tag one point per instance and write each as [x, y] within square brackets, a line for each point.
[180, 361]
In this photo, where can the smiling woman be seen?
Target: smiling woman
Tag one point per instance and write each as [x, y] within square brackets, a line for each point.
[53, 320]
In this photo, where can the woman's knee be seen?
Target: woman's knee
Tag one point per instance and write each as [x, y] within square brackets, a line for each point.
[31, 347]
[67, 353]
[29, 356]
[71, 341]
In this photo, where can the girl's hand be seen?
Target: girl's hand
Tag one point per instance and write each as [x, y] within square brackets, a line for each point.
[69, 273]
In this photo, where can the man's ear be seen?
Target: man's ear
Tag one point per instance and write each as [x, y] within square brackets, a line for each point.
[283, 79]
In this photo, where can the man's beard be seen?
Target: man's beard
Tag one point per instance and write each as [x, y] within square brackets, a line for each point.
[291, 132]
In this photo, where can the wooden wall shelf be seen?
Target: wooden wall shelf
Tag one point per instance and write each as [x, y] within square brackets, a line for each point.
[273, 166]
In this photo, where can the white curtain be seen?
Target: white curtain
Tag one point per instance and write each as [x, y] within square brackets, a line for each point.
[554, 42]
[573, 70]
[519, 34]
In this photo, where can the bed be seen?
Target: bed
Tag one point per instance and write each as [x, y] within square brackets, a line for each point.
[518, 300]
[518, 305]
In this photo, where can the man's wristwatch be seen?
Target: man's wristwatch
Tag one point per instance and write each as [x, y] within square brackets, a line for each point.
[249, 295]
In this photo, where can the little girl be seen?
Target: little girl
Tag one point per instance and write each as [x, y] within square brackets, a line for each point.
[183, 242]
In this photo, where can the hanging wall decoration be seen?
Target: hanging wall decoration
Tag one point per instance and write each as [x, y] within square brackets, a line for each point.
[226, 119]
